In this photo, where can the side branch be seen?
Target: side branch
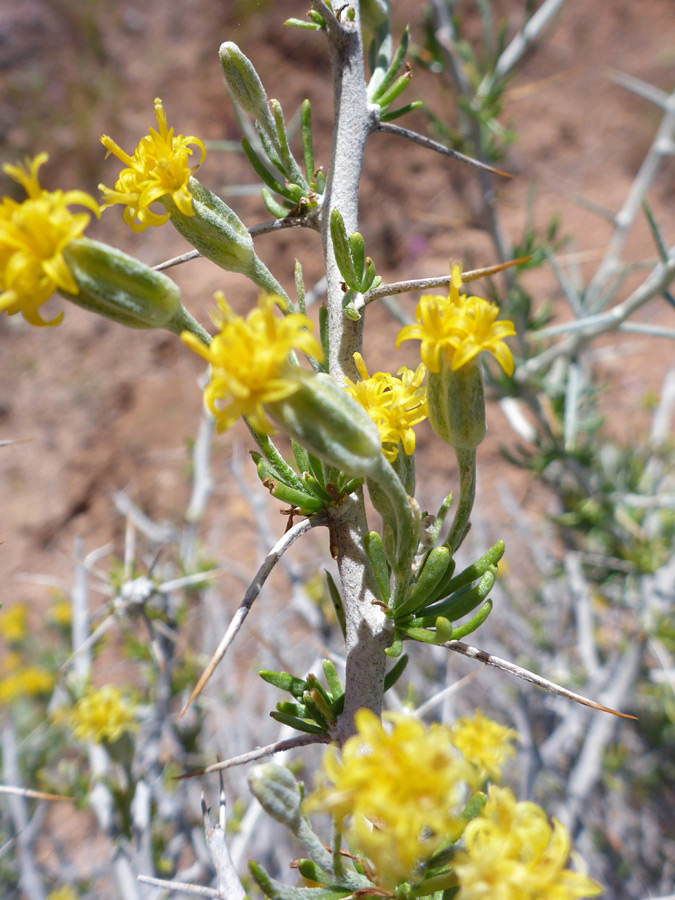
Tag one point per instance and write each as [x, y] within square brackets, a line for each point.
[259, 753]
[421, 284]
[506, 666]
[427, 143]
[254, 589]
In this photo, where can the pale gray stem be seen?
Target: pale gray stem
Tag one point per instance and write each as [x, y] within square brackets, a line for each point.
[367, 633]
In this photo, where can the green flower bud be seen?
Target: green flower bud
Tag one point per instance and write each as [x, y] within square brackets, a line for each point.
[278, 793]
[456, 405]
[244, 84]
[220, 235]
[122, 288]
[327, 422]
[214, 229]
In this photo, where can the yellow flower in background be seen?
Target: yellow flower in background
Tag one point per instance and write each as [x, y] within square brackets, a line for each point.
[484, 743]
[395, 404]
[513, 853]
[62, 613]
[396, 790]
[158, 168]
[22, 681]
[33, 236]
[14, 623]
[249, 360]
[458, 327]
[102, 715]
[63, 893]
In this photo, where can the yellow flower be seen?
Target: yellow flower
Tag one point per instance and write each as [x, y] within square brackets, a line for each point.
[159, 167]
[14, 623]
[63, 893]
[458, 328]
[28, 681]
[62, 613]
[399, 790]
[394, 404]
[513, 853]
[483, 743]
[102, 715]
[33, 236]
[249, 361]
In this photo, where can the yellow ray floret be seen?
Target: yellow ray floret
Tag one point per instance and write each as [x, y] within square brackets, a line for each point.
[158, 168]
[249, 361]
[458, 327]
[395, 404]
[33, 236]
[512, 852]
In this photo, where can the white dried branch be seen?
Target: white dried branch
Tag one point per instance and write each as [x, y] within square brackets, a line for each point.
[591, 327]
[526, 38]
[588, 768]
[595, 295]
[159, 533]
[180, 887]
[229, 885]
[581, 601]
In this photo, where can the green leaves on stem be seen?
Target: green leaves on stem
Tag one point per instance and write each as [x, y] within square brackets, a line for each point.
[357, 269]
[314, 709]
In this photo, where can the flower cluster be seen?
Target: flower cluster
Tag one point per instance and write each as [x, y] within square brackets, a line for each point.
[401, 789]
[395, 404]
[103, 715]
[18, 680]
[33, 236]
[14, 623]
[458, 328]
[512, 853]
[484, 743]
[249, 360]
[158, 168]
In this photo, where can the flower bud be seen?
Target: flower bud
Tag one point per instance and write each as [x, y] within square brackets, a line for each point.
[456, 405]
[120, 287]
[214, 229]
[327, 422]
[278, 793]
[244, 84]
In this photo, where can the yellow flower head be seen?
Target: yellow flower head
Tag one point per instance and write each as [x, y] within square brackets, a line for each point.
[63, 893]
[33, 236]
[158, 168]
[249, 360]
[102, 715]
[14, 623]
[22, 681]
[484, 743]
[400, 788]
[458, 328]
[513, 853]
[394, 404]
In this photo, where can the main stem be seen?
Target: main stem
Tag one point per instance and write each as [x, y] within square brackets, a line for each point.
[367, 632]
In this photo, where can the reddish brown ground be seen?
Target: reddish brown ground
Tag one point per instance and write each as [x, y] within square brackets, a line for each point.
[103, 408]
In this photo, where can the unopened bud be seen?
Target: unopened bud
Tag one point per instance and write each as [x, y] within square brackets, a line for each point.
[244, 84]
[456, 405]
[121, 288]
[329, 423]
[214, 229]
[278, 793]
